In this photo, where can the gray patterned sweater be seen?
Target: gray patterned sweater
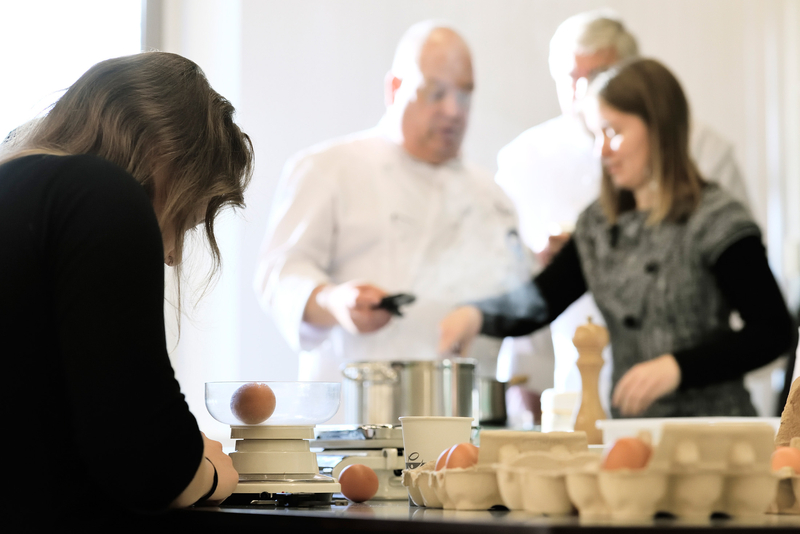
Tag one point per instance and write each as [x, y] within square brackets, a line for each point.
[667, 289]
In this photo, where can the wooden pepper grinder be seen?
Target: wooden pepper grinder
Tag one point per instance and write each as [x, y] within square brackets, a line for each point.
[590, 340]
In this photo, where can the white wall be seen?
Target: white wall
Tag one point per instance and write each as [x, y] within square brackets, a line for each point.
[302, 71]
[206, 342]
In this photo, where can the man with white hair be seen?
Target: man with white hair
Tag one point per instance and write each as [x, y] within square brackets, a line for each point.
[552, 173]
[391, 210]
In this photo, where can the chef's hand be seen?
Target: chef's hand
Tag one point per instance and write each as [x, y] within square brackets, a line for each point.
[644, 383]
[458, 329]
[350, 305]
[554, 245]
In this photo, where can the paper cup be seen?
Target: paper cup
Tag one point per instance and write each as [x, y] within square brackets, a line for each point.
[425, 437]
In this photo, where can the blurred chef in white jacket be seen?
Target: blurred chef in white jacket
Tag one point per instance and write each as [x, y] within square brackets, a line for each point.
[552, 173]
[391, 210]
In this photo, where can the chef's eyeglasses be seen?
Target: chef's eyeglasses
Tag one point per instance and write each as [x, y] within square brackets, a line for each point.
[436, 93]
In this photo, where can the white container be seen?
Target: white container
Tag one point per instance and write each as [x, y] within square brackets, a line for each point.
[558, 410]
[425, 437]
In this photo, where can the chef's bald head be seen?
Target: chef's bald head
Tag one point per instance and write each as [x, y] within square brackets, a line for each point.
[428, 91]
[406, 55]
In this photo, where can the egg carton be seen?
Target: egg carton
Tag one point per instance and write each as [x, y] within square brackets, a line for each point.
[787, 501]
[536, 481]
[479, 487]
[454, 488]
[497, 446]
[418, 483]
[695, 471]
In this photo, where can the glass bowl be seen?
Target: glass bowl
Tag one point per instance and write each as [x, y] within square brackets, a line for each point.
[297, 403]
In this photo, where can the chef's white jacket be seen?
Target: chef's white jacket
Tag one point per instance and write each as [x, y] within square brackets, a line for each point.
[361, 208]
[551, 173]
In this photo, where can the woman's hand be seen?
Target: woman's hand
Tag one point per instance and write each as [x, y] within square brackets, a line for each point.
[458, 329]
[644, 383]
[227, 477]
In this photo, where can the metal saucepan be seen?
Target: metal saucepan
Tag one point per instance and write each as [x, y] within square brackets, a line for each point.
[491, 402]
[380, 392]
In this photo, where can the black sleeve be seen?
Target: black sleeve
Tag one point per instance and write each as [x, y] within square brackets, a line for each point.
[106, 262]
[562, 281]
[745, 279]
[536, 304]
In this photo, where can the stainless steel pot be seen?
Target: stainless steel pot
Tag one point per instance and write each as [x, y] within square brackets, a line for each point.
[492, 402]
[380, 392]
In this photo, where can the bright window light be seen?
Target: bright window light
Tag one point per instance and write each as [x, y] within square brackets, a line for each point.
[48, 44]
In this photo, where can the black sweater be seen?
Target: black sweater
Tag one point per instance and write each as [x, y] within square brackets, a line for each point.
[743, 275]
[89, 394]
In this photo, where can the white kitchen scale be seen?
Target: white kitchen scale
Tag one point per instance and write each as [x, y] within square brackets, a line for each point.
[379, 447]
[274, 459]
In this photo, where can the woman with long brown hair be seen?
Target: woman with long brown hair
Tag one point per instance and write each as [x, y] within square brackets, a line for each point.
[667, 256]
[94, 198]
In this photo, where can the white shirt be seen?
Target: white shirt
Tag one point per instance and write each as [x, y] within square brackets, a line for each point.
[361, 208]
[551, 173]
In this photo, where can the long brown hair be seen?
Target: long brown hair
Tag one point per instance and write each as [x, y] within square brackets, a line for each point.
[155, 115]
[647, 89]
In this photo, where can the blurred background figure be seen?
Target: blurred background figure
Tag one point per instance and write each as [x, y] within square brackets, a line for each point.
[668, 257]
[552, 173]
[391, 210]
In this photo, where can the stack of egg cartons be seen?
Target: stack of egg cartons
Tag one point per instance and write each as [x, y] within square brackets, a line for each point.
[696, 470]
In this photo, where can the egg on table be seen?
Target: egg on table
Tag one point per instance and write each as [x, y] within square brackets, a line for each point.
[359, 482]
[253, 403]
[627, 453]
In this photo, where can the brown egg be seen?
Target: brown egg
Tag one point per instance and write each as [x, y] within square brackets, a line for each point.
[253, 403]
[627, 453]
[784, 456]
[462, 455]
[442, 459]
[359, 482]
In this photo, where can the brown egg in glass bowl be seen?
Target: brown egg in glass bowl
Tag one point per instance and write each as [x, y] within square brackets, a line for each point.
[272, 403]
